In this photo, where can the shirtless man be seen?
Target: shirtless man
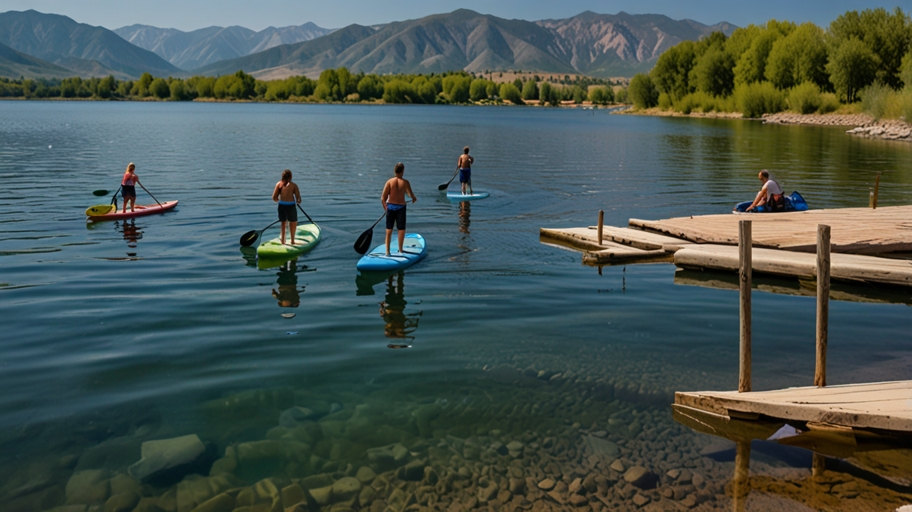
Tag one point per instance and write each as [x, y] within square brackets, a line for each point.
[464, 164]
[288, 196]
[770, 194]
[393, 201]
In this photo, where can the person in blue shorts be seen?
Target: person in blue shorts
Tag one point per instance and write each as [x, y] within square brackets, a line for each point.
[288, 196]
[464, 164]
[393, 201]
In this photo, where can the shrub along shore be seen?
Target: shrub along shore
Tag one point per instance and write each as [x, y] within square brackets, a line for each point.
[861, 62]
[333, 86]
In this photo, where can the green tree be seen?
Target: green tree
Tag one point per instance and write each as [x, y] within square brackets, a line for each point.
[545, 92]
[179, 91]
[142, 85]
[799, 57]
[887, 35]
[671, 72]
[397, 90]
[905, 71]
[643, 92]
[425, 92]
[509, 92]
[159, 88]
[456, 87]
[518, 84]
[106, 87]
[478, 90]
[852, 67]
[714, 72]
[370, 87]
[530, 90]
[601, 95]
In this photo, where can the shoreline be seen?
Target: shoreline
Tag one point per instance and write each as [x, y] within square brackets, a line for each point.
[863, 125]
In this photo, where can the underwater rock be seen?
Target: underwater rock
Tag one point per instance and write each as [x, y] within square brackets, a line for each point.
[345, 488]
[220, 503]
[365, 475]
[168, 460]
[388, 457]
[88, 486]
[294, 416]
[641, 477]
[123, 502]
[411, 472]
[292, 495]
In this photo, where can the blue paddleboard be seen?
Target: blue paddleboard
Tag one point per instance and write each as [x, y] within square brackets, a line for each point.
[414, 251]
[458, 197]
[793, 203]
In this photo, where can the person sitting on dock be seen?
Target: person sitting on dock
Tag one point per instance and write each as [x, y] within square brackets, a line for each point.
[770, 195]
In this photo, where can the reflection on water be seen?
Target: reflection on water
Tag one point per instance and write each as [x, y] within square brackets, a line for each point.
[398, 323]
[287, 292]
[130, 231]
[465, 213]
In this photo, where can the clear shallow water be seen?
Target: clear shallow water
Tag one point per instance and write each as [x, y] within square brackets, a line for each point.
[111, 324]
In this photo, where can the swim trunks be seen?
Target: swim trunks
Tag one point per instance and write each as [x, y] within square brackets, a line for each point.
[465, 175]
[128, 191]
[395, 213]
[287, 212]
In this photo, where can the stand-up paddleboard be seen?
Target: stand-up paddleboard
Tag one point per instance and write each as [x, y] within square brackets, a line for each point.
[458, 197]
[138, 211]
[414, 250]
[307, 236]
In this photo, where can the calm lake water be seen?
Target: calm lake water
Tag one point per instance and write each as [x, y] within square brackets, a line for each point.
[117, 333]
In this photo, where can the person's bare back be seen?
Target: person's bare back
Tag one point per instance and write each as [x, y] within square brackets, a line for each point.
[395, 189]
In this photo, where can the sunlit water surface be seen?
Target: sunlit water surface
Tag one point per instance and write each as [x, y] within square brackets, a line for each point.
[116, 333]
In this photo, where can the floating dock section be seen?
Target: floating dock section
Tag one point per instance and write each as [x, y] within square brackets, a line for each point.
[871, 246]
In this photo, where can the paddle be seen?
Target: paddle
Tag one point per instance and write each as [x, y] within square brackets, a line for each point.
[249, 237]
[447, 184]
[362, 244]
[150, 193]
[100, 192]
[103, 209]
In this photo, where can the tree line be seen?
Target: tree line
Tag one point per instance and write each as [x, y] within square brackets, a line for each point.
[333, 85]
[782, 65]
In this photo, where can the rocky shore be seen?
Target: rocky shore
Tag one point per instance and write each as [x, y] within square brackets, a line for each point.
[865, 125]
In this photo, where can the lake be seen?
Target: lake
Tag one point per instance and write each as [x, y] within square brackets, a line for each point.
[498, 373]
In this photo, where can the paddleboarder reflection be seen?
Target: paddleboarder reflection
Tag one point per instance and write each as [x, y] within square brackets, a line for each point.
[287, 293]
[465, 212]
[399, 324]
[130, 232]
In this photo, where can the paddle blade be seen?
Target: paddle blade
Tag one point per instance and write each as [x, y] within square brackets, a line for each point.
[100, 192]
[249, 237]
[100, 209]
[444, 186]
[362, 244]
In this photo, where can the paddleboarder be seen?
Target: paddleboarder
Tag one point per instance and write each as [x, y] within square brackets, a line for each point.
[393, 201]
[464, 164]
[128, 187]
[287, 194]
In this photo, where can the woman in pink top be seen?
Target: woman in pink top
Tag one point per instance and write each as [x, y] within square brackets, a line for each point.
[128, 187]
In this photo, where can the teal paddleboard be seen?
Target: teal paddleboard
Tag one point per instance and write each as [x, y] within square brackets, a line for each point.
[414, 250]
[307, 236]
[458, 197]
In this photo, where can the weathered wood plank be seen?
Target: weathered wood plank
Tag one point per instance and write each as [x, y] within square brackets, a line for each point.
[844, 267]
[854, 230]
[880, 405]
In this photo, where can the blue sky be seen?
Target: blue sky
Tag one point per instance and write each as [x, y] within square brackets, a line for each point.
[259, 14]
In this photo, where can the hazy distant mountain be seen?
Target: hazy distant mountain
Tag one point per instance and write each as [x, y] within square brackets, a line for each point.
[190, 50]
[92, 51]
[594, 44]
[14, 64]
[622, 44]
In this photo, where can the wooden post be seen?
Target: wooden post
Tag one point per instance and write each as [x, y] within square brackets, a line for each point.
[744, 276]
[601, 223]
[818, 465]
[823, 301]
[876, 189]
[741, 482]
[870, 197]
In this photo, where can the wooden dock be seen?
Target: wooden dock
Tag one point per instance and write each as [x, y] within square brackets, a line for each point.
[869, 246]
[880, 406]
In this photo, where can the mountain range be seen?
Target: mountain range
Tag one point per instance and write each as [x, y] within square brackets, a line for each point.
[198, 48]
[600, 45]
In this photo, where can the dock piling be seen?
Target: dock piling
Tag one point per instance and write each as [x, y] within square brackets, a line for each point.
[876, 190]
[823, 301]
[744, 276]
[601, 225]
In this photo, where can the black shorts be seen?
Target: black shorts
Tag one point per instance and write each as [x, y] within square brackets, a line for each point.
[128, 191]
[288, 213]
[397, 217]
